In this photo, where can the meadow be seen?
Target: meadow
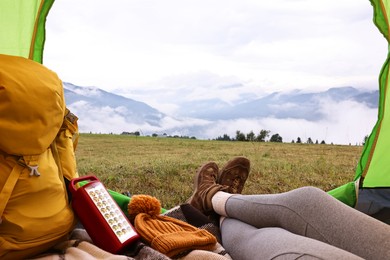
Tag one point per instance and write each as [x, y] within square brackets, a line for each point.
[165, 167]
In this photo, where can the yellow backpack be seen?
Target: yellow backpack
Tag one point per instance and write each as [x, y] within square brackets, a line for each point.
[38, 136]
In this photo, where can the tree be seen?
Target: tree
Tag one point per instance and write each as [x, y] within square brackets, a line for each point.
[276, 138]
[323, 142]
[240, 136]
[262, 135]
[225, 137]
[365, 139]
[309, 141]
[299, 140]
[250, 136]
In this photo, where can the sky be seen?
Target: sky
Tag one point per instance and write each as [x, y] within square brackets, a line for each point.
[154, 51]
[272, 45]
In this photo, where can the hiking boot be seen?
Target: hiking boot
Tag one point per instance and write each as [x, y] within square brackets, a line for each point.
[234, 174]
[205, 187]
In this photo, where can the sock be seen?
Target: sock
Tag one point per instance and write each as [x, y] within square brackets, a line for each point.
[221, 219]
[219, 201]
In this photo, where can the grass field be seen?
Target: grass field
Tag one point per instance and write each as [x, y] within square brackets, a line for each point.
[164, 167]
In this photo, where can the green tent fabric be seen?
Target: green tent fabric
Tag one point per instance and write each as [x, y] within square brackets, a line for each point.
[22, 30]
[370, 189]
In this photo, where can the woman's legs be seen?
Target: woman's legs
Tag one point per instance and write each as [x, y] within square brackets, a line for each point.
[244, 241]
[312, 213]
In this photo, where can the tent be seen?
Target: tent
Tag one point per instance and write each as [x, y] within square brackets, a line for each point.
[24, 35]
[369, 191]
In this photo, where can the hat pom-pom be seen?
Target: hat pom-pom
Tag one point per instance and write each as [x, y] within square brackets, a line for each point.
[143, 204]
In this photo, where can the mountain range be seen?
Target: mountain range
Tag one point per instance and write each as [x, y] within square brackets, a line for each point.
[92, 104]
[293, 104]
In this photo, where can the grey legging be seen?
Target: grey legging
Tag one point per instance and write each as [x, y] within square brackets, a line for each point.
[305, 223]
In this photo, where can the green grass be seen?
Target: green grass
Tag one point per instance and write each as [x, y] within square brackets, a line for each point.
[164, 167]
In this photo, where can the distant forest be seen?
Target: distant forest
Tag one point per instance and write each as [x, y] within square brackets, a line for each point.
[240, 136]
[262, 136]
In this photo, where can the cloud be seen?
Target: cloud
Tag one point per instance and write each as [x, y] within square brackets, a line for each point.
[272, 44]
[169, 94]
[85, 91]
[99, 120]
[113, 120]
[344, 122]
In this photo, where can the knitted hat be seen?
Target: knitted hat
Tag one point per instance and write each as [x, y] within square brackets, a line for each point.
[168, 235]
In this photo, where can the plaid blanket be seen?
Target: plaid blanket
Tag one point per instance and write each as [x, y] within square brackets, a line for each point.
[80, 245]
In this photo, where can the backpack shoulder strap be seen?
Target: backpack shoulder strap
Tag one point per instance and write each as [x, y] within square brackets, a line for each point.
[8, 187]
[30, 161]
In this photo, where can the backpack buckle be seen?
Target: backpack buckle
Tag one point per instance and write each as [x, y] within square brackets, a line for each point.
[71, 117]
